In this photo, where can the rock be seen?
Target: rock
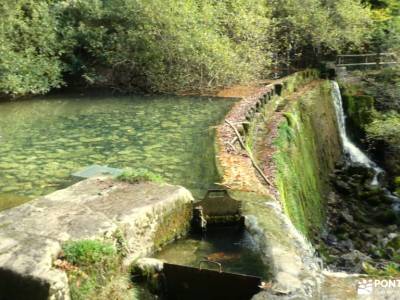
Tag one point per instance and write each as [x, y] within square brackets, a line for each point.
[371, 191]
[346, 245]
[386, 217]
[331, 239]
[375, 230]
[347, 217]
[147, 267]
[343, 187]
[373, 200]
[389, 251]
[357, 169]
[353, 261]
[394, 243]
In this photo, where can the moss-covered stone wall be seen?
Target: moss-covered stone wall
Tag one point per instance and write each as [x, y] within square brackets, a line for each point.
[307, 148]
[359, 109]
[233, 164]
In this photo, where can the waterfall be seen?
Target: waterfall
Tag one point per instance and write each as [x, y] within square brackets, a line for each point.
[355, 154]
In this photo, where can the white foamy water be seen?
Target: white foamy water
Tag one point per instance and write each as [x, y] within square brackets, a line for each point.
[355, 154]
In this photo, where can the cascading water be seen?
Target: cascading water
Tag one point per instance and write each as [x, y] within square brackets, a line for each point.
[354, 153]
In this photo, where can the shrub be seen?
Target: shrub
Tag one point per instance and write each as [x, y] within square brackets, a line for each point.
[385, 127]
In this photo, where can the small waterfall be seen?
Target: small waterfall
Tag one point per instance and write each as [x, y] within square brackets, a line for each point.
[355, 154]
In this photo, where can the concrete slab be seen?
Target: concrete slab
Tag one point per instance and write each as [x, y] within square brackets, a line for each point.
[95, 171]
[31, 235]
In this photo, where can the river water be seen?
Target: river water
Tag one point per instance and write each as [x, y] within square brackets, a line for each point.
[43, 141]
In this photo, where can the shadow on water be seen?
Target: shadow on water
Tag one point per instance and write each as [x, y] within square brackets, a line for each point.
[235, 249]
[11, 200]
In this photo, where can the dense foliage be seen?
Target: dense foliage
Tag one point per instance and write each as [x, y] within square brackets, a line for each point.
[384, 86]
[373, 112]
[386, 128]
[304, 30]
[385, 35]
[30, 48]
[167, 45]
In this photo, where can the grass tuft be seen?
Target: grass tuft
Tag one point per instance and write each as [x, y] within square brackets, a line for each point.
[94, 271]
[87, 252]
[139, 175]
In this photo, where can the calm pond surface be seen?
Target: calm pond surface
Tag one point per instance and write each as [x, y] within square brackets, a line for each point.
[43, 141]
[234, 249]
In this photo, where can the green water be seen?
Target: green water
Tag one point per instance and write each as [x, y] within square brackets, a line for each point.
[235, 250]
[43, 141]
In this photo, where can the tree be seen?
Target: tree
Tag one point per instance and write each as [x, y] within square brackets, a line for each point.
[29, 48]
[306, 30]
[386, 31]
[168, 45]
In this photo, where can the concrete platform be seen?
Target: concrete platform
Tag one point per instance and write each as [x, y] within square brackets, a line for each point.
[31, 235]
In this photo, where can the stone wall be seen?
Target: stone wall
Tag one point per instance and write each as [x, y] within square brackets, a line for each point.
[234, 166]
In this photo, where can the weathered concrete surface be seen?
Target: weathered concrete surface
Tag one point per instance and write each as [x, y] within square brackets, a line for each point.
[145, 215]
[294, 268]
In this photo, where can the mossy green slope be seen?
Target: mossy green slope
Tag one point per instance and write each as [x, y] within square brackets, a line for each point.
[307, 148]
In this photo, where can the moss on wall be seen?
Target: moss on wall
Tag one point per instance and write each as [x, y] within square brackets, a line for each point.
[308, 146]
[290, 84]
[359, 110]
[173, 224]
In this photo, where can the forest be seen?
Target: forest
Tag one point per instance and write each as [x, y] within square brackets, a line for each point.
[175, 46]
